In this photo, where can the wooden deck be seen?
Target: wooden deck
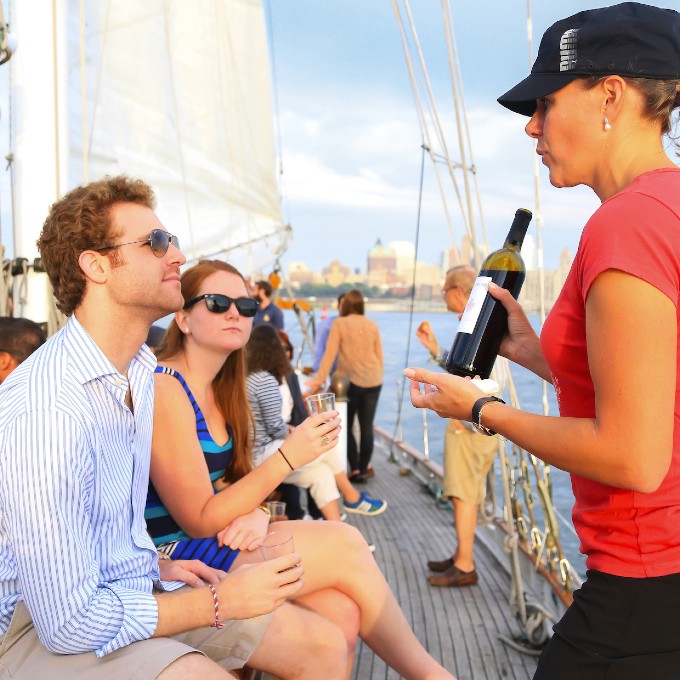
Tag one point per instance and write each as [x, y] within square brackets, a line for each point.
[458, 626]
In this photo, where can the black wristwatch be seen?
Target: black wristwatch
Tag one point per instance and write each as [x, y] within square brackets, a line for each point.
[477, 415]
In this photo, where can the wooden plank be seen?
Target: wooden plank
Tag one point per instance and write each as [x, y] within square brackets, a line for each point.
[458, 626]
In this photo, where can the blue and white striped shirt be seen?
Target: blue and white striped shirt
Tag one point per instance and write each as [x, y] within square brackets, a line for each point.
[74, 471]
[264, 399]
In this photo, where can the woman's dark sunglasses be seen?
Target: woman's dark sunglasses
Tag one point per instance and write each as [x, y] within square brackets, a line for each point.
[158, 239]
[220, 304]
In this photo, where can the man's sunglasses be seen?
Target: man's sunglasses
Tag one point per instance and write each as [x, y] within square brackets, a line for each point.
[220, 304]
[158, 239]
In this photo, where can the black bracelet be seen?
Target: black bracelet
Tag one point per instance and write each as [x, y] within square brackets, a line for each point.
[477, 415]
[286, 459]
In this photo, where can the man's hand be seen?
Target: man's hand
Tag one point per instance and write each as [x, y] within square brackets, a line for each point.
[260, 588]
[245, 532]
[427, 338]
[192, 572]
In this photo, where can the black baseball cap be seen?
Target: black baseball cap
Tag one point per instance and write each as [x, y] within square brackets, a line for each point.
[630, 39]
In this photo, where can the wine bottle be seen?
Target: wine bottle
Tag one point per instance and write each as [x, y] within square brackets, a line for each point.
[485, 321]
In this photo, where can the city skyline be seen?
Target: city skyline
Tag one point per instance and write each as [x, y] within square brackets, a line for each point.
[445, 261]
[390, 270]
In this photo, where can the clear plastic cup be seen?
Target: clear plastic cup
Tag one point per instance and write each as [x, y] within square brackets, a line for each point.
[277, 510]
[277, 543]
[319, 403]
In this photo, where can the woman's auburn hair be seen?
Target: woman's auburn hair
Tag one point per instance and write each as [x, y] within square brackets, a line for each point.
[265, 352]
[229, 385]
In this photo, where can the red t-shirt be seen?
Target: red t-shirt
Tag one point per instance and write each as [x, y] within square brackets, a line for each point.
[636, 231]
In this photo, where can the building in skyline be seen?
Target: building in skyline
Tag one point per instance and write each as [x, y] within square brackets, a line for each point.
[381, 264]
[390, 268]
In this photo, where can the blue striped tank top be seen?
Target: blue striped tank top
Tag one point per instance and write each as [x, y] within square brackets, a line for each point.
[160, 524]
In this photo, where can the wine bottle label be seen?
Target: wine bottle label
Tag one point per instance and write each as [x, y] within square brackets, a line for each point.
[474, 305]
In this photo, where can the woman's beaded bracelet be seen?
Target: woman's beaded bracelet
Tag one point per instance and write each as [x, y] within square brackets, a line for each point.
[216, 601]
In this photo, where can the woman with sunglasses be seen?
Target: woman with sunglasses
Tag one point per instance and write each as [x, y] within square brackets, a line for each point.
[202, 443]
[600, 100]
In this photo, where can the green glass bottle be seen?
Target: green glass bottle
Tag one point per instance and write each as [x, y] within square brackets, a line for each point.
[485, 321]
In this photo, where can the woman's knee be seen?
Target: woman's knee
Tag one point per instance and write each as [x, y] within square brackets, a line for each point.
[349, 543]
[338, 608]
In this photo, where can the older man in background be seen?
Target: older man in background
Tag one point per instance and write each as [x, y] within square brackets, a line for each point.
[468, 456]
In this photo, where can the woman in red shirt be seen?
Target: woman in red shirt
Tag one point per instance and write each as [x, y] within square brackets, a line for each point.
[600, 98]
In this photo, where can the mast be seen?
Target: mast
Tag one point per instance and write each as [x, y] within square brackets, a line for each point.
[39, 146]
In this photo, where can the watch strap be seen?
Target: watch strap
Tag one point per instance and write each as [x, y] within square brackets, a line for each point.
[477, 415]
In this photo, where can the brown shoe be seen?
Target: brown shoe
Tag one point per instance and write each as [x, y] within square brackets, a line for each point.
[433, 565]
[454, 578]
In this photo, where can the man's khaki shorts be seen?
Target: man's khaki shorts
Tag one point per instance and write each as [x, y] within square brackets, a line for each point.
[468, 456]
[23, 657]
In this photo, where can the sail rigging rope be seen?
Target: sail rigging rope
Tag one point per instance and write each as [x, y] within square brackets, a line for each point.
[175, 111]
[424, 129]
[275, 97]
[83, 92]
[55, 85]
[450, 47]
[547, 540]
[413, 292]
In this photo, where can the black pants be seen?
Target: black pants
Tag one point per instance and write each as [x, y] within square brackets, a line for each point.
[617, 629]
[361, 402]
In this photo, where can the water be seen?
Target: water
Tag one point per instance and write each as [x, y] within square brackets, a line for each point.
[396, 329]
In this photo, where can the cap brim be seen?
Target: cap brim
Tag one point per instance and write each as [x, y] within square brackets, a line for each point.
[522, 98]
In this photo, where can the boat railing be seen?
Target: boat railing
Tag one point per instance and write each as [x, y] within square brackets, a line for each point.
[518, 522]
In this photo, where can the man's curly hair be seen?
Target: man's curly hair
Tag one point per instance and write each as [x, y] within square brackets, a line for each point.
[80, 221]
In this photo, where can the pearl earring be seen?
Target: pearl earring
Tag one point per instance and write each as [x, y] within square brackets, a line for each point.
[607, 126]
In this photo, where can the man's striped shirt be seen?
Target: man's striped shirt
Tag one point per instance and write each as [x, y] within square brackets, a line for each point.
[74, 471]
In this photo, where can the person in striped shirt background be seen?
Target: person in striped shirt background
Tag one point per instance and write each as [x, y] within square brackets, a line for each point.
[82, 591]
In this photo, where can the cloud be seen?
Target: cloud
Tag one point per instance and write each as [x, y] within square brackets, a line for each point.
[358, 166]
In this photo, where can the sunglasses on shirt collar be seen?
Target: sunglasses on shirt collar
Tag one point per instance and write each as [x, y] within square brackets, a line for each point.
[220, 304]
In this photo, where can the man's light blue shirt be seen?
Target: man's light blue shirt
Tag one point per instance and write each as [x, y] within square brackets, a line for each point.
[320, 342]
[74, 472]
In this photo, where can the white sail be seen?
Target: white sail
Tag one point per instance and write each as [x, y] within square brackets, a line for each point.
[177, 93]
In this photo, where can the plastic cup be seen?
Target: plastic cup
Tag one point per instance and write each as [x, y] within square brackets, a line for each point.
[277, 543]
[319, 403]
[277, 510]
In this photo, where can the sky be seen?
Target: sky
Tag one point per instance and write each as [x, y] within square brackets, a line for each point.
[350, 138]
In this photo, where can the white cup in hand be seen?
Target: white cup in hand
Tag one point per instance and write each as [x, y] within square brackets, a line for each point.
[320, 403]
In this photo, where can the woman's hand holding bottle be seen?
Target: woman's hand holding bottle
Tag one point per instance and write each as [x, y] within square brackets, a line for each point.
[521, 343]
[316, 435]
